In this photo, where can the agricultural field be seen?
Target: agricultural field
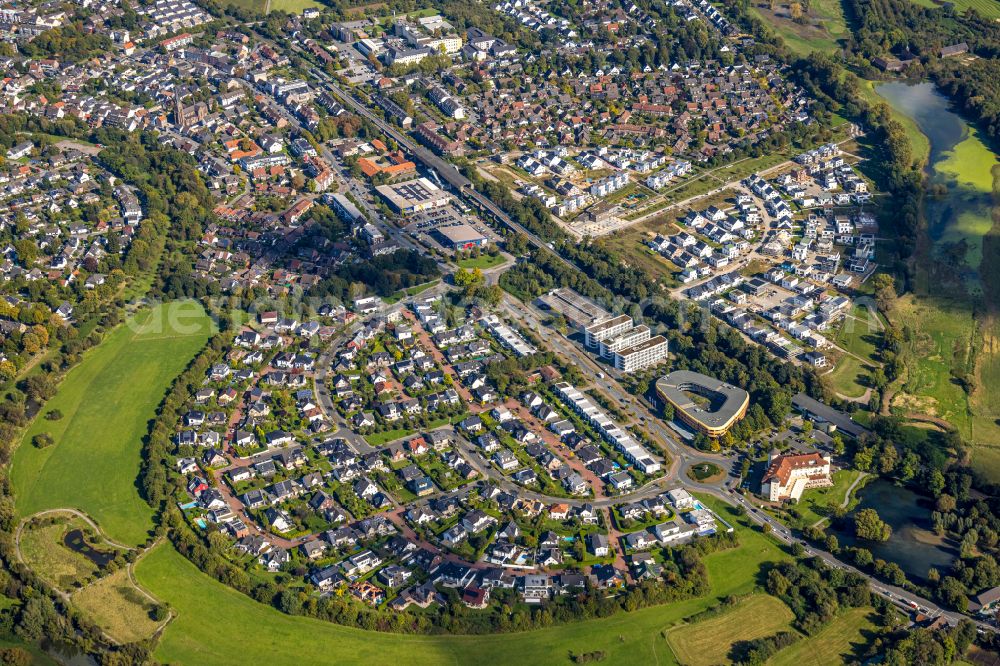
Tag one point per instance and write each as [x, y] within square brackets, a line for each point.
[215, 624]
[106, 402]
[835, 644]
[987, 8]
[709, 642]
[118, 607]
[45, 553]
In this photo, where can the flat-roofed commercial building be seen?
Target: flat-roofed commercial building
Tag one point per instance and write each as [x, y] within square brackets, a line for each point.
[579, 310]
[460, 237]
[606, 329]
[414, 196]
[642, 355]
[726, 404]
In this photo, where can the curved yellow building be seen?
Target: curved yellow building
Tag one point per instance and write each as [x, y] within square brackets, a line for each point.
[727, 404]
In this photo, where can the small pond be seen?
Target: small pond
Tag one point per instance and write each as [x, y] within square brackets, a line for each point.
[75, 541]
[913, 545]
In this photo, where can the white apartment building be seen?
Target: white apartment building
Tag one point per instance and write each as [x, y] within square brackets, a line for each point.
[642, 355]
[627, 339]
[606, 329]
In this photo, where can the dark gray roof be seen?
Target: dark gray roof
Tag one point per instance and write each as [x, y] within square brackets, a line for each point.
[674, 385]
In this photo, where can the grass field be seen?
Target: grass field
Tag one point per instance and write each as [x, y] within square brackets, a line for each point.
[107, 401]
[986, 8]
[708, 642]
[823, 31]
[218, 625]
[849, 376]
[816, 503]
[860, 334]
[941, 333]
[629, 246]
[44, 552]
[292, 6]
[260, 6]
[481, 262]
[38, 658]
[116, 605]
[834, 645]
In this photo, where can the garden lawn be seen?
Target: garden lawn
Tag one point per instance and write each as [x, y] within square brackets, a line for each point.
[118, 607]
[834, 644]
[218, 625]
[107, 401]
[816, 502]
[708, 642]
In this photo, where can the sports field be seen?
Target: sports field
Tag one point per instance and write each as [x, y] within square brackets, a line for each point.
[708, 642]
[107, 401]
[217, 625]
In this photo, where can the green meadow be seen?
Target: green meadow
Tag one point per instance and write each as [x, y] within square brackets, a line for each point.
[218, 625]
[837, 643]
[107, 401]
[824, 29]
